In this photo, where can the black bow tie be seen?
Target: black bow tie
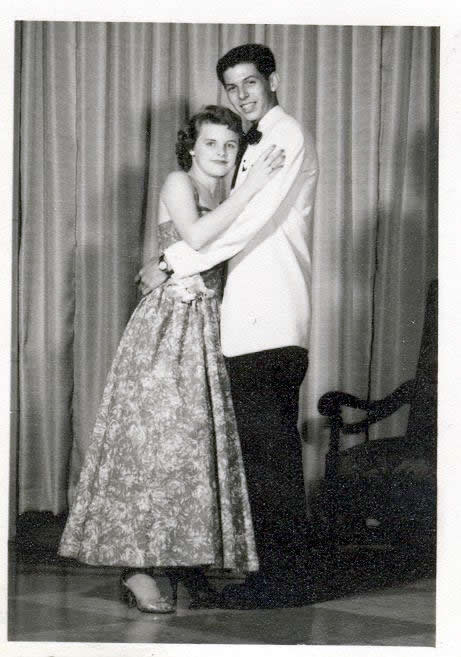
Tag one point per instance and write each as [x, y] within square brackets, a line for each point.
[253, 136]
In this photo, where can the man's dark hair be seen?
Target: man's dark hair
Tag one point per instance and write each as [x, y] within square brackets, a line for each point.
[251, 53]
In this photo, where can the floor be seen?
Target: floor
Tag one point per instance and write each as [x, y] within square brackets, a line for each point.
[55, 603]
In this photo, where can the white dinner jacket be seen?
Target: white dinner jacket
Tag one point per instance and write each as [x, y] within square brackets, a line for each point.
[266, 301]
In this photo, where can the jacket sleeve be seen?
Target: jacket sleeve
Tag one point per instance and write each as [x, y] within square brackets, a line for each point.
[300, 168]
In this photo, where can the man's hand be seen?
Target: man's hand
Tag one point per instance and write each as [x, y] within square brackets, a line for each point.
[150, 277]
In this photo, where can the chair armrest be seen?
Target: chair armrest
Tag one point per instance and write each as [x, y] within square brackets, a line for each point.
[330, 405]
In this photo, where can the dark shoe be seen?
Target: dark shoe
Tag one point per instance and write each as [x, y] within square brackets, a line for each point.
[202, 594]
[267, 593]
[240, 596]
[157, 605]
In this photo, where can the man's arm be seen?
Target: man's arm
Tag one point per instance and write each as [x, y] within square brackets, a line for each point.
[301, 160]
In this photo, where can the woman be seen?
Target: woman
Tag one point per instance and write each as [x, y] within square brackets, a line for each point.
[163, 485]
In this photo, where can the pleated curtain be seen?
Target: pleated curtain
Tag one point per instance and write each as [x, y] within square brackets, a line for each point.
[98, 107]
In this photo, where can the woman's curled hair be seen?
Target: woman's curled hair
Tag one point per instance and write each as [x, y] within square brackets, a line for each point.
[188, 136]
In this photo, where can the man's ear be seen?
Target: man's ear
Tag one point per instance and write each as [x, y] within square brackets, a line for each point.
[274, 80]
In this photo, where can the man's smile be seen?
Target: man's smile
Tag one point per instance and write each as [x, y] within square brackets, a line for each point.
[248, 106]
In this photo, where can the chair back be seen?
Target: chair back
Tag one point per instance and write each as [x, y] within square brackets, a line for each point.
[422, 420]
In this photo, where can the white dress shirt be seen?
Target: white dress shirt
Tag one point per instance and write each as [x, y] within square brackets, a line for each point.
[266, 301]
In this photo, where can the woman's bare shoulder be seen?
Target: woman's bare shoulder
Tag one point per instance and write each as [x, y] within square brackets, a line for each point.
[177, 182]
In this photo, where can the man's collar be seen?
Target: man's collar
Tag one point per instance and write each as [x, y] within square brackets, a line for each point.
[271, 117]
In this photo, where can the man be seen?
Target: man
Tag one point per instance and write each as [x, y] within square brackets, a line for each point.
[265, 321]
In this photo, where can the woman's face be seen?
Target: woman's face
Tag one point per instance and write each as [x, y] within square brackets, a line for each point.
[215, 150]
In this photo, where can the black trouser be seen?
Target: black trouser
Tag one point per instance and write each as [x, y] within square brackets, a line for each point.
[265, 391]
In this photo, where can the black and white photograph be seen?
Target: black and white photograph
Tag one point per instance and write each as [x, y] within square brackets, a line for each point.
[224, 334]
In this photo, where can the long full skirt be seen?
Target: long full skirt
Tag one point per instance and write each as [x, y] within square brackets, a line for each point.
[163, 482]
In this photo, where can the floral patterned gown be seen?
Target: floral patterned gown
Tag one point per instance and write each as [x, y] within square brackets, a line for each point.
[163, 482]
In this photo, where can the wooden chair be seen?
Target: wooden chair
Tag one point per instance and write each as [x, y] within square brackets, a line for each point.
[384, 491]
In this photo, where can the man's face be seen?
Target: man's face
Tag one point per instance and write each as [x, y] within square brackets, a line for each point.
[249, 92]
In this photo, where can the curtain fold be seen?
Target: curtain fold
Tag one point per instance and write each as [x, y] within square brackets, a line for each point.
[100, 107]
[347, 113]
[406, 212]
[46, 263]
[113, 89]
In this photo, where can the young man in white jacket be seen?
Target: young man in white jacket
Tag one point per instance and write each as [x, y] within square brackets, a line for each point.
[265, 321]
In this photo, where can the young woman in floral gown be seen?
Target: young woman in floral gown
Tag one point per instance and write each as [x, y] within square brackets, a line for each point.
[162, 489]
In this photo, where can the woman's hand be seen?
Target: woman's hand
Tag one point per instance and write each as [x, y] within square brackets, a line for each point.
[150, 277]
[270, 161]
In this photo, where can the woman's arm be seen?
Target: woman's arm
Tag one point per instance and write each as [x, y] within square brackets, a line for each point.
[178, 196]
[293, 187]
